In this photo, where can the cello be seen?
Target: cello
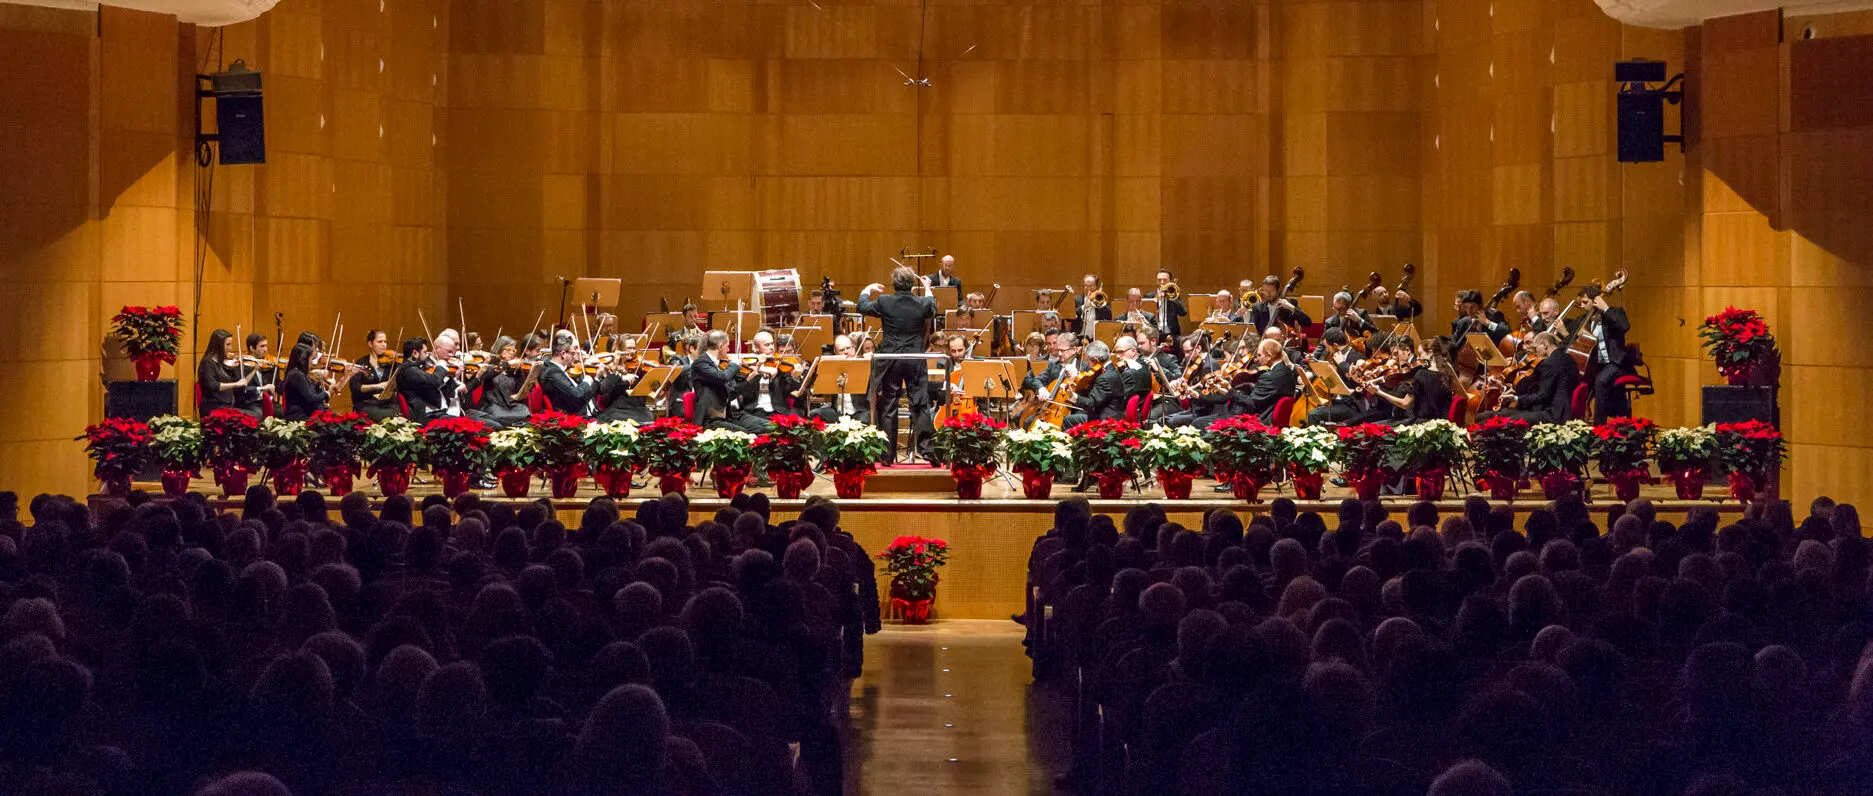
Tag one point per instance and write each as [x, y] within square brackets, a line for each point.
[1297, 336]
[1583, 343]
[1359, 341]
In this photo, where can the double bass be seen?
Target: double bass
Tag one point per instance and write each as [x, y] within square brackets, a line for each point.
[1297, 336]
[1583, 343]
[1359, 340]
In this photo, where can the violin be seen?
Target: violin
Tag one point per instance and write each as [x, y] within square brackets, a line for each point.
[779, 364]
[251, 362]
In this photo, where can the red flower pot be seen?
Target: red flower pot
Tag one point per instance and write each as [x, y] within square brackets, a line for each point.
[1176, 484]
[1112, 484]
[969, 480]
[850, 484]
[1501, 487]
[116, 485]
[614, 483]
[149, 366]
[1626, 485]
[516, 483]
[1746, 486]
[176, 482]
[454, 482]
[393, 481]
[1557, 485]
[1036, 486]
[1366, 486]
[913, 612]
[1430, 483]
[1689, 483]
[288, 480]
[1246, 487]
[790, 483]
[730, 479]
[233, 481]
[1307, 486]
[338, 480]
[565, 483]
[673, 482]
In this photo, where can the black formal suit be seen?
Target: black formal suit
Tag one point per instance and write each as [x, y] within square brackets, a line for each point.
[1088, 312]
[1610, 360]
[1266, 314]
[1365, 325]
[749, 416]
[1259, 398]
[938, 280]
[1349, 408]
[1551, 399]
[620, 404]
[712, 384]
[679, 383]
[1048, 375]
[422, 390]
[905, 321]
[1170, 315]
[1462, 327]
[563, 392]
[1105, 400]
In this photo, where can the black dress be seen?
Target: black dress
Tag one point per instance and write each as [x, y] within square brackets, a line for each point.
[498, 386]
[376, 407]
[302, 397]
[620, 404]
[210, 374]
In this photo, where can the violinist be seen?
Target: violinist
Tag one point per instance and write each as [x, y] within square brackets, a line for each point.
[764, 390]
[422, 383]
[1401, 306]
[500, 381]
[1272, 311]
[605, 334]
[713, 378]
[301, 395]
[1194, 365]
[1211, 402]
[1105, 400]
[473, 341]
[266, 379]
[367, 389]
[447, 359]
[1279, 334]
[1427, 392]
[682, 352]
[844, 405]
[1277, 380]
[1171, 311]
[565, 392]
[218, 378]
[1555, 378]
[1350, 408]
[1611, 357]
[615, 389]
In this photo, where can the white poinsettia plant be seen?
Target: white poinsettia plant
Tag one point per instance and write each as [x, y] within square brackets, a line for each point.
[721, 447]
[616, 446]
[1560, 447]
[1044, 450]
[1429, 445]
[851, 444]
[393, 444]
[1682, 448]
[284, 441]
[1309, 449]
[176, 443]
[1181, 450]
[513, 450]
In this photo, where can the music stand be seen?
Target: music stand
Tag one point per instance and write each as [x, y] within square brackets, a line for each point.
[1198, 304]
[725, 320]
[1026, 367]
[1408, 329]
[652, 382]
[1486, 350]
[1314, 306]
[809, 340]
[822, 322]
[667, 321]
[1148, 305]
[948, 297]
[990, 378]
[1026, 322]
[1325, 371]
[729, 287]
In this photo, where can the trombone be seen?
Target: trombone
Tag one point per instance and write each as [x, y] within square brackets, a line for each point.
[1098, 299]
[1170, 292]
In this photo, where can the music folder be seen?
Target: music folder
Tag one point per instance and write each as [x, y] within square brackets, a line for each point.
[651, 383]
[1486, 350]
[842, 376]
[1326, 372]
[597, 292]
[990, 378]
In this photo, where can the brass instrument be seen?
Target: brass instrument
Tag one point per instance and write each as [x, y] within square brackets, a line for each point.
[1097, 299]
[1170, 292]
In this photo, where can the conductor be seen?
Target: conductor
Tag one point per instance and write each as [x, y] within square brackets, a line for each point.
[906, 319]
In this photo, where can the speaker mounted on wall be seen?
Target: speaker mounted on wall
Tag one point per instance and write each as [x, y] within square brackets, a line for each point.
[1642, 135]
[240, 126]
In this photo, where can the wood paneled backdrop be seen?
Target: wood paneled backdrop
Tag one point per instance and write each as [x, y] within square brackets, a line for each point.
[422, 150]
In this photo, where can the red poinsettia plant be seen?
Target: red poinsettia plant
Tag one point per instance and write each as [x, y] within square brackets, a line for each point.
[119, 446]
[337, 440]
[1107, 447]
[1751, 448]
[1739, 339]
[1244, 447]
[790, 444]
[232, 441]
[972, 441]
[1499, 447]
[1625, 445]
[669, 446]
[560, 446]
[456, 444]
[1363, 447]
[149, 331]
[913, 562]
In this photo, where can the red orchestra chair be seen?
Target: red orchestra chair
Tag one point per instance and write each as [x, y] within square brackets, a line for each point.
[198, 399]
[403, 406]
[474, 396]
[536, 400]
[689, 407]
[1639, 382]
[1457, 405]
[266, 404]
[1283, 408]
[1138, 407]
[1581, 405]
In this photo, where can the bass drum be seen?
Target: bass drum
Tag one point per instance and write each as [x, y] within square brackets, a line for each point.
[779, 293]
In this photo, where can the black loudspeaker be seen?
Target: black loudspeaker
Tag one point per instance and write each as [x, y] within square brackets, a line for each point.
[140, 400]
[1726, 404]
[1641, 127]
[242, 127]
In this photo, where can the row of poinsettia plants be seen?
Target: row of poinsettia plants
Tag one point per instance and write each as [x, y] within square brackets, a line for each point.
[562, 449]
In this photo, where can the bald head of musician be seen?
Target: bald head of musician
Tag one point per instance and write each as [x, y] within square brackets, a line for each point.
[1275, 333]
[1543, 344]
[1550, 310]
[713, 342]
[842, 347]
[446, 344]
[1125, 348]
[1097, 351]
[1224, 302]
[947, 266]
[1269, 352]
[762, 343]
[1524, 302]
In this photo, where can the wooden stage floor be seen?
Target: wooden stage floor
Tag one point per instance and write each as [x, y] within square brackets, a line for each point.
[990, 538]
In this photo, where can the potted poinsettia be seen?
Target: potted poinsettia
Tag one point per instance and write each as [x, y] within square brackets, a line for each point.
[1177, 455]
[971, 443]
[231, 442]
[286, 445]
[176, 445]
[151, 336]
[913, 562]
[614, 452]
[1245, 453]
[1427, 450]
[1498, 451]
[392, 450]
[337, 445]
[1039, 455]
[1307, 452]
[119, 447]
[1108, 450]
[1749, 453]
[670, 452]
[458, 448]
[1684, 456]
[1625, 445]
[560, 450]
[729, 455]
[1363, 450]
[512, 455]
[786, 450]
[853, 450]
[1558, 454]
[1740, 341]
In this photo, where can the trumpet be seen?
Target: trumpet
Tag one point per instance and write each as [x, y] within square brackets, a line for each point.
[1170, 292]
[1098, 299]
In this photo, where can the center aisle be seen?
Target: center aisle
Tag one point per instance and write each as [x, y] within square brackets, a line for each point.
[945, 709]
